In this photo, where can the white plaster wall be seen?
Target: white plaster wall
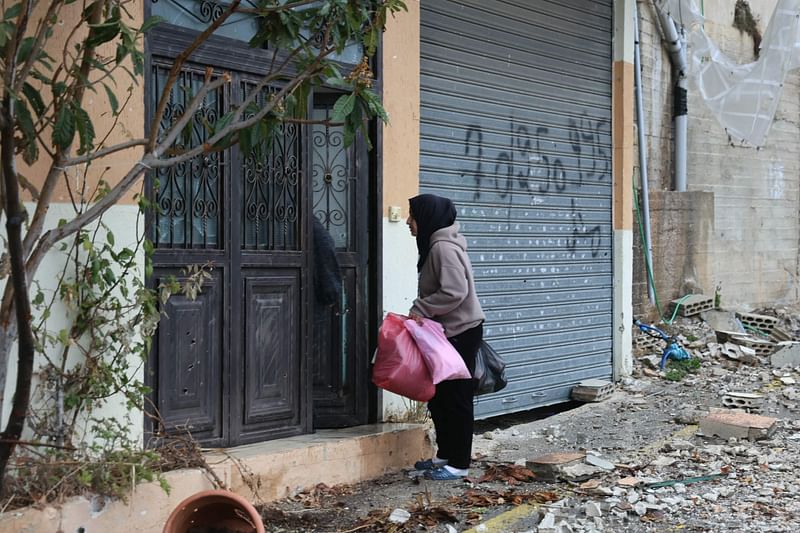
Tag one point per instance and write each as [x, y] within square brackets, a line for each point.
[399, 291]
[124, 222]
[754, 253]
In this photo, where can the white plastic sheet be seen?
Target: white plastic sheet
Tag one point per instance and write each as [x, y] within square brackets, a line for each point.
[743, 97]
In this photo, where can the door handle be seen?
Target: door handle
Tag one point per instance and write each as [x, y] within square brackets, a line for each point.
[538, 395]
[509, 400]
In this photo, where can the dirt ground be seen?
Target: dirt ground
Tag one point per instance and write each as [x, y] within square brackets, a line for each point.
[646, 430]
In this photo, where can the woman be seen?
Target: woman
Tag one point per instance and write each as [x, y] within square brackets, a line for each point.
[447, 295]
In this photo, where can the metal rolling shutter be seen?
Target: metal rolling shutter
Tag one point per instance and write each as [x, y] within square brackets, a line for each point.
[516, 129]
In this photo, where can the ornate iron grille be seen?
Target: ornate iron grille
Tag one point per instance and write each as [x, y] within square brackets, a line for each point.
[188, 195]
[332, 175]
[198, 14]
[271, 189]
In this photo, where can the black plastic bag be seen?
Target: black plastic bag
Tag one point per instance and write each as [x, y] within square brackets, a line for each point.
[490, 370]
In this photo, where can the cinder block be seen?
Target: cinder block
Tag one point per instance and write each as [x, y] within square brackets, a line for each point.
[762, 323]
[592, 390]
[786, 354]
[694, 304]
[780, 335]
[646, 342]
[743, 400]
[761, 346]
[738, 424]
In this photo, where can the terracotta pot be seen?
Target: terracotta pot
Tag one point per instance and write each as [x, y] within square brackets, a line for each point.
[214, 510]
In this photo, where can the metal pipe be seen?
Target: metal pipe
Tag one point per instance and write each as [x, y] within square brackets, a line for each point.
[676, 46]
[637, 69]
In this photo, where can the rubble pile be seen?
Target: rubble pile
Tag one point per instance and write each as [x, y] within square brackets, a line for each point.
[709, 444]
[738, 460]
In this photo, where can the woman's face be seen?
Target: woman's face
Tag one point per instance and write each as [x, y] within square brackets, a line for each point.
[412, 224]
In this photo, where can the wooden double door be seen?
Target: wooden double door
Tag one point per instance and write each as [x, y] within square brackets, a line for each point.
[255, 356]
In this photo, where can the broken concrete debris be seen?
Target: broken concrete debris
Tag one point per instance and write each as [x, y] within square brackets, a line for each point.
[551, 466]
[737, 424]
[592, 390]
[399, 516]
[786, 354]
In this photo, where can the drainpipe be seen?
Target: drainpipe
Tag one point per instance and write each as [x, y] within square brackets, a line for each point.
[637, 69]
[676, 46]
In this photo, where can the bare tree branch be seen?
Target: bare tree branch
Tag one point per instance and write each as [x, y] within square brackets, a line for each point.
[99, 154]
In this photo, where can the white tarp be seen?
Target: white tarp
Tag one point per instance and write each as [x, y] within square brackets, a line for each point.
[743, 97]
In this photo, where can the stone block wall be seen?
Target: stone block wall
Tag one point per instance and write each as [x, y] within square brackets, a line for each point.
[752, 237]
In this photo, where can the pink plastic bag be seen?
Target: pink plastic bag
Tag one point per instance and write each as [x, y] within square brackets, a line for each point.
[399, 366]
[444, 362]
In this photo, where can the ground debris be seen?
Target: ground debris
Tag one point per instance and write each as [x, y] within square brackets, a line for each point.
[508, 473]
[492, 498]
[322, 495]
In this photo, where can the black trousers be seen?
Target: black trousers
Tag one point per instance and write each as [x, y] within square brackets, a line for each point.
[451, 407]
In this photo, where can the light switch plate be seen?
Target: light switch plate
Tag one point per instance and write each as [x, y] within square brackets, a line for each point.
[394, 213]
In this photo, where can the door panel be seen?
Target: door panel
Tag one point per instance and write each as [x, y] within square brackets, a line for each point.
[271, 350]
[339, 182]
[190, 360]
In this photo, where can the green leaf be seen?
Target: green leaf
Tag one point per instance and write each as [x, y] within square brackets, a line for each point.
[25, 123]
[112, 99]
[150, 24]
[13, 11]
[25, 49]
[103, 33]
[5, 32]
[35, 98]
[85, 129]
[64, 128]
[343, 107]
[110, 238]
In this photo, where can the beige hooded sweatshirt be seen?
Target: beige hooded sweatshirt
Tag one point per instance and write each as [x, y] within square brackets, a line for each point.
[446, 288]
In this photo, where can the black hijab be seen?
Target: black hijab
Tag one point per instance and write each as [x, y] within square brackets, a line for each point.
[431, 213]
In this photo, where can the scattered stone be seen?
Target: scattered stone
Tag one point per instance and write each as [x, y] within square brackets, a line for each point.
[710, 496]
[488, 435]
[664, 461]
[737, 424]
[451, 529]
[652, 361]
[547, 524]
[599, 462]
[640, 509]
[788, 380]
[580, 471]
[679, 445]
[592, 510]
[591, 484]
[399, 516]
[629, 482]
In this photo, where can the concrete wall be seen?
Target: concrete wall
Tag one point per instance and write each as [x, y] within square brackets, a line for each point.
[751, 246]
[400, 173]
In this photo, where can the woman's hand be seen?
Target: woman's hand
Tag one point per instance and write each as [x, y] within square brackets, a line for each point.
[416, 318]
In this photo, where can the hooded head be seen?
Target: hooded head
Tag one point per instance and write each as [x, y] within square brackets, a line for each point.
[431, 213]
